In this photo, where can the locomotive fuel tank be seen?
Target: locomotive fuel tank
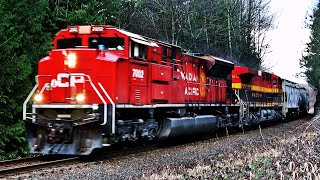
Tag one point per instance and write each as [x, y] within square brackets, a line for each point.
[174, 127]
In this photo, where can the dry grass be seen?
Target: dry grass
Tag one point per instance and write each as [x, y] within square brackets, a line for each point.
[293, 154]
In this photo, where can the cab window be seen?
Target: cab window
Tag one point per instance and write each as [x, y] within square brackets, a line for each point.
[138, 51]
[68, 43]
[274, 81]
[106, 43]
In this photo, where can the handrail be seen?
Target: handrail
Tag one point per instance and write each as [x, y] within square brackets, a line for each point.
[24, 108]
[29, 97]
[242, 106]
[27, 100]
[113, 107]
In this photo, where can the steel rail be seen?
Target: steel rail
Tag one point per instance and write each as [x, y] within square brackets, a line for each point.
[20, 160]
[20, 169]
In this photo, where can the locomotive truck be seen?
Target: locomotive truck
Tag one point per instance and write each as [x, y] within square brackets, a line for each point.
[101, 85]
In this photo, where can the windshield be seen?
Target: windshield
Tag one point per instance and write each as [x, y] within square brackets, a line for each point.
[69, 43]
[106, 43]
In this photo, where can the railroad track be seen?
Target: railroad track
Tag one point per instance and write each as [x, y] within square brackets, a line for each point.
[221, 134]
[17, 166]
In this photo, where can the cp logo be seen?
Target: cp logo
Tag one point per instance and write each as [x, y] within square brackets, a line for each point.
[66, 80]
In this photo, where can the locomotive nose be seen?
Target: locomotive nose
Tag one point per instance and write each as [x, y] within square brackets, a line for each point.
[64, 76]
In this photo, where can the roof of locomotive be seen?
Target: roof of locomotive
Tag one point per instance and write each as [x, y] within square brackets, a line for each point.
[92, 29]
[245, 70]
[212, 60]
[217, 67]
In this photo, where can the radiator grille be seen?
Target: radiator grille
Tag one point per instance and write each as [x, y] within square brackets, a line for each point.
[137, 94]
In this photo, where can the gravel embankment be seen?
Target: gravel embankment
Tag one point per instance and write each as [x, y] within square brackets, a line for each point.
[281, 151]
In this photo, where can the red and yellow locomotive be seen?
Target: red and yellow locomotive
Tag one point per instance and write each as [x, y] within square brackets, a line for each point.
[101, 85]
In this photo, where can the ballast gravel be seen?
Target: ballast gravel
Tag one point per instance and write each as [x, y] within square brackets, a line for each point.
[227, 157]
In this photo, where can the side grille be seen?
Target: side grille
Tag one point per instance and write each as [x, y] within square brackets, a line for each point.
[137, 94]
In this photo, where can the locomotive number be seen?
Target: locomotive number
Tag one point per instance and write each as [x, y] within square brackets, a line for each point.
[137, 73]
[63, 80]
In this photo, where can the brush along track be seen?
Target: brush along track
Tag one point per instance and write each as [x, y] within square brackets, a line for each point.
[16, 166]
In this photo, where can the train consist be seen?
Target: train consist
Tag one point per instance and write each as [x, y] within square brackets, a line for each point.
[101, 85]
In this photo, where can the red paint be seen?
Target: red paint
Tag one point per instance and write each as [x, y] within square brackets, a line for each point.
[165, 75]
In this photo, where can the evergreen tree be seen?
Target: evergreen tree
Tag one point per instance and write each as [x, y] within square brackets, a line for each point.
[22, 43]
[311, 61]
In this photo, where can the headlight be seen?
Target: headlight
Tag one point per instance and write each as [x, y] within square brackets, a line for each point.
[72, 60]
[38, 98]
[95, 107]
[80, 98]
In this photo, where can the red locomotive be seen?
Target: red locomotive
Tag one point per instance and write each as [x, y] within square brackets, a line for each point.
[101, 85]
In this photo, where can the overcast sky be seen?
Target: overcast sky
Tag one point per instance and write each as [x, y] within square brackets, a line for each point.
[288, 40]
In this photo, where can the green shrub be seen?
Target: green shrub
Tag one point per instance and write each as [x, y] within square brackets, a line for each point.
[13, 142]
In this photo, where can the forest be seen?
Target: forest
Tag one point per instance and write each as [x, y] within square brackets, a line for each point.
[232, 29]
[310, 62]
